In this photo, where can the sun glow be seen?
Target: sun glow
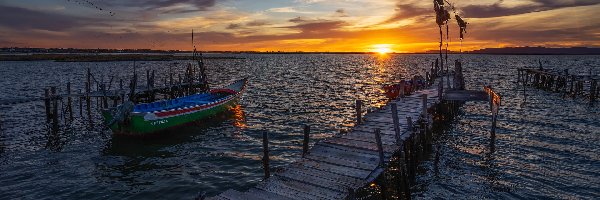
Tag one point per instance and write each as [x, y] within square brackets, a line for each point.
[382, 48]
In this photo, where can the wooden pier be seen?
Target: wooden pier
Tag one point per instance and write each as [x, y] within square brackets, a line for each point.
[335, 168]
[585, 86]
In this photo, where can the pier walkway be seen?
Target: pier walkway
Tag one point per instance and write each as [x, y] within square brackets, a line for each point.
[337, 166]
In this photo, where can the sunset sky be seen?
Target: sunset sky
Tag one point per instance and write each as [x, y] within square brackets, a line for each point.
[294, 25]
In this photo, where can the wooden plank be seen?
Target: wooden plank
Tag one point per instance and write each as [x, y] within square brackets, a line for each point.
[338, 178]
[359, 164]
[336, 169]
[261, 194]
[359, 144]
[323, 149]
[369, 137]
[344, 148]
[298, 190]
[313, 180]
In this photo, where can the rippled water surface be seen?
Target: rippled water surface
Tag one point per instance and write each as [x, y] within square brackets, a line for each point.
[546, 147]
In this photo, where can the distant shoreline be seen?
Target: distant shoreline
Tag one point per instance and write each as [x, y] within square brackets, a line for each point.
[102, 57]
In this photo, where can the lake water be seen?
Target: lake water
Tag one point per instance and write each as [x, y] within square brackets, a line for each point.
[546, 147]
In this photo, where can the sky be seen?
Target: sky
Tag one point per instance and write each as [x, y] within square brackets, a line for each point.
[294, 25]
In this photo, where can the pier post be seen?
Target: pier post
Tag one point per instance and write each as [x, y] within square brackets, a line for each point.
[69, 101]
[265, 158]
[424, 102]
[47, 103]
[88, 88]
[402, 92]
[306, 140]
[379, 146]
[409, 124]
[593, 91]
[441, 91]
[54, 108]
[396, 122]
[359, 111]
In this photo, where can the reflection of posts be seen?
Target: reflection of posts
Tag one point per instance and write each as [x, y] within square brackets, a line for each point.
[358, 111]
[266, 155]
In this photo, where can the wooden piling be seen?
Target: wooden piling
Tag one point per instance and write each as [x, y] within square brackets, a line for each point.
[306, 140]
[379, 146]
[441, 91]
[359, 111]
[54, 97]
[265, 158]
[396, 122]
[424, 104]
[69, 101]
[402, 92]
[409, 124]
[47, 104]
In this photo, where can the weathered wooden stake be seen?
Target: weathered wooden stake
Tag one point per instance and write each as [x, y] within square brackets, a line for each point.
[424, 103]
[359, 111]
[69, 101]
[402, 92]
[306, 140]
[441, 91]
[54, 108]
[266, 155]
[47, 104]
[379, 146]
[409, 124]
[396, 122]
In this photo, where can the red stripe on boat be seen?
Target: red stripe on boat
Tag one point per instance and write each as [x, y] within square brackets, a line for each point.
[226, 90]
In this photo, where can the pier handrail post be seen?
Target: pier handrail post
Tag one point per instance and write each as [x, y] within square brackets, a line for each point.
[359, 111]
[306, 140]
[379, 146]
[396, 121]
[265, 158]
[424, 102]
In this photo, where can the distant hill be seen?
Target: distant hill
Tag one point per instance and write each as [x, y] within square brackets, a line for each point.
[539, 51]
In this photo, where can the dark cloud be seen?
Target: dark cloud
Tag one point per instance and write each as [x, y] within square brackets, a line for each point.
[406, 11]
[234, 26]
[318, 26]
[257, 23]
[340, 13]
[23, 19]
[298, 20]
[538, 36]
[165, 5]
[498, 9]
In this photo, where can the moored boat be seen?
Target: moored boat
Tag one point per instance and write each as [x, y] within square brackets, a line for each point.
[148, 118]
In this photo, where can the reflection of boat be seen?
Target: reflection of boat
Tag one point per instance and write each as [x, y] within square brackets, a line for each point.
[142, 119]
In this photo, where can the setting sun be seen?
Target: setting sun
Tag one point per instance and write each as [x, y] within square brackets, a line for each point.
[382, 48]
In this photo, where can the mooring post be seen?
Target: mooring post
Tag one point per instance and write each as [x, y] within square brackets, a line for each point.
[402, 92]
[424, 103]
[593, 92]
[54, 107]
[47, 103]
[306, 140]
[441, 91]
[69, 101]
[359, 111]
[409, 124]
[266, 155]
[396, 122]
[379, 146]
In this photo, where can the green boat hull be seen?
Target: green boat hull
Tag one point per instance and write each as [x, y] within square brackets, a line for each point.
[137, 125]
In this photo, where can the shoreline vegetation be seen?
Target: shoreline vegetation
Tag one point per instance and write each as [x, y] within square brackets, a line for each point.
[105, 55]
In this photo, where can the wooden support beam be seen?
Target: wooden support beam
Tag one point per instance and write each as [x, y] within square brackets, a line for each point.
[396, 122]
[47, 104]
[265, 158]
[359, 111]
[69, 101]
[306, 140]
[379, 147]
